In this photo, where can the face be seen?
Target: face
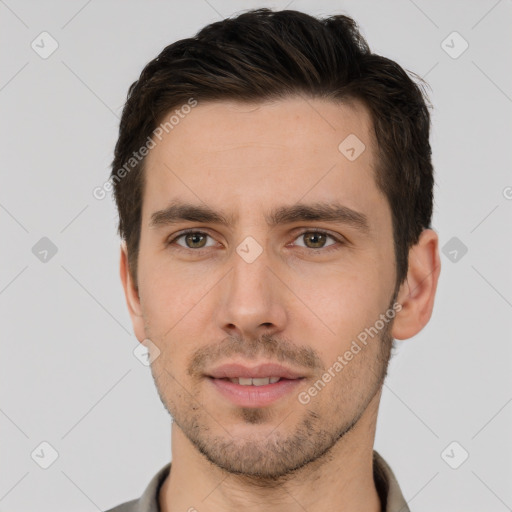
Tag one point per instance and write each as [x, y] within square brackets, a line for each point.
[264, 281]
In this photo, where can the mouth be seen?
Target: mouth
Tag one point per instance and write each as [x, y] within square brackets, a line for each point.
[259, 386]
[254, 375]
[254, 392]
[248, 381]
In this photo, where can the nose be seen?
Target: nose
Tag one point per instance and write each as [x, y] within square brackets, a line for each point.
[251, 298]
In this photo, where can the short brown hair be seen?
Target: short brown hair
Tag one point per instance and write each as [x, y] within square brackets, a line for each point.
[262, 55]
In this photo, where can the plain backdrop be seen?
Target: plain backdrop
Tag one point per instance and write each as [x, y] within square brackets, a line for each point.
[69, 377]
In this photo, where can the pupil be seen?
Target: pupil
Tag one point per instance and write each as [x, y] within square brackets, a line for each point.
[193, 238]
[316, 236]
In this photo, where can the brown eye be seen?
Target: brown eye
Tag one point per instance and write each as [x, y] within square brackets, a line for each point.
[192, 240]
[315, 239]
[195, 240]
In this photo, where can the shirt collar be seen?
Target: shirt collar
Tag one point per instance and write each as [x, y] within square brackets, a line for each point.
[389, 491]
[385, 481]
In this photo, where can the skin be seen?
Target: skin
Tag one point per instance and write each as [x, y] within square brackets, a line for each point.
[297, 303]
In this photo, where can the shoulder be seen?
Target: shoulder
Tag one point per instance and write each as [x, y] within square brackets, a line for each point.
[129, 506]
[148, 502]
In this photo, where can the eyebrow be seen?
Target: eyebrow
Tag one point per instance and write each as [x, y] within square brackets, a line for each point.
[179, 211]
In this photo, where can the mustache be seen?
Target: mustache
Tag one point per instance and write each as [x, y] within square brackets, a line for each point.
[266, 346]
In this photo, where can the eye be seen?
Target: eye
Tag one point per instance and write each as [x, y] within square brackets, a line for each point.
[315, 239]
[193, 239]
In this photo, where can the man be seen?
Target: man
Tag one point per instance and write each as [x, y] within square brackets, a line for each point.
[274, 185]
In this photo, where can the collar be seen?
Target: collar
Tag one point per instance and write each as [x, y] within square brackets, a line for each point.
[385, 481]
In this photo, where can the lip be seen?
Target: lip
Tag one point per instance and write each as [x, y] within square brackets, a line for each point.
[254, 396]
[233, 370]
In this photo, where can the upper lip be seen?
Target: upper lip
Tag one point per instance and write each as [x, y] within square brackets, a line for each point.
[233, 370]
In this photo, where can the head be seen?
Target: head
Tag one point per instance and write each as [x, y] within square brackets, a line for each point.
[301, 164]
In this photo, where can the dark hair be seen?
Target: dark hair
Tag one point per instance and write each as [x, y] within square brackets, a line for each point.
[262, 55]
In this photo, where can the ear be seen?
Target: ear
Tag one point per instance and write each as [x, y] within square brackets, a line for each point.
[417, 292]
[131, 295]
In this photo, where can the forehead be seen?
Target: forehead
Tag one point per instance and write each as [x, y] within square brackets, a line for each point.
[217, 126]
[236, 156]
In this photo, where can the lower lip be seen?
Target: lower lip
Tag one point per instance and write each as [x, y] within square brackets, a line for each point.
[254, 396]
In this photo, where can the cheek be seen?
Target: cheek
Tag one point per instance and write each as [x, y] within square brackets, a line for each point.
[344, 298]
[172, 293]
[175, 307]
[345, 303]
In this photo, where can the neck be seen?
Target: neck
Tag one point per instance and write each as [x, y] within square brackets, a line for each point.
[342, 479]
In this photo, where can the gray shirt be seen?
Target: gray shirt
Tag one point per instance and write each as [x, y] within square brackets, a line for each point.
[387, 486]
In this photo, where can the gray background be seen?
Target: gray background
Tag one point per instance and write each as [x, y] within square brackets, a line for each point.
[68, 373]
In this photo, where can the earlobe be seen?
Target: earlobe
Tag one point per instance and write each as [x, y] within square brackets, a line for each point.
[417, 292]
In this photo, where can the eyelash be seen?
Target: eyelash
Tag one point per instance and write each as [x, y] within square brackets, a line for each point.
[328, 249]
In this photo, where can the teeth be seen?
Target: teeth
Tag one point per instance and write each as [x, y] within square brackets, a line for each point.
[255, 382]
